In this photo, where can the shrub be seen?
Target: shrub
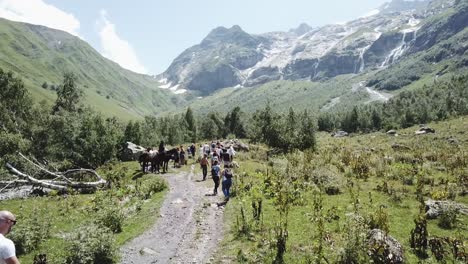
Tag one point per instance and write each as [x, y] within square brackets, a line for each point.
[31, 232]
[112, 217]
[91, 244]
[439, 195]
[108, 211]
[448, 219]
[151, 186]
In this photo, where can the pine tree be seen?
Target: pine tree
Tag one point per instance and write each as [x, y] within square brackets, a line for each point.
[191, 125]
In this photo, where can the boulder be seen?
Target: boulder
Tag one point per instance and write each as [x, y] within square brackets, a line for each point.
[434, 208]
[453, 140]
[236, 144]
[424, 130]
[397, 146]
[384, 248]
[131, 151]
[392, 132]
[340, 133]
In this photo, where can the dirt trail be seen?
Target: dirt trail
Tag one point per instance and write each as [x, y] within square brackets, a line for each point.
[189, 229]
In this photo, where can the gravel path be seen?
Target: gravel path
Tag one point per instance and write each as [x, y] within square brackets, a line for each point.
[189, 229]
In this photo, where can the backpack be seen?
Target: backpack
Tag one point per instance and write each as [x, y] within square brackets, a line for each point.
[214, 171]
[228, 174]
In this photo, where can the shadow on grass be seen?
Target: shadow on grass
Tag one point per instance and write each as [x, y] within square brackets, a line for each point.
[137, 175]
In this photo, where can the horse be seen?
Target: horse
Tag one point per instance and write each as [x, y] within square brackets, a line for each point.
[149, 158]
[165, 157]
[144, 159]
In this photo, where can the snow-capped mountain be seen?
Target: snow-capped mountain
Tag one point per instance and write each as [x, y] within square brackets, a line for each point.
[230, 57]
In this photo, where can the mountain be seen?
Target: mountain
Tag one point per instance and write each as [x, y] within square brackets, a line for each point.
[398, 33]
[42, 55]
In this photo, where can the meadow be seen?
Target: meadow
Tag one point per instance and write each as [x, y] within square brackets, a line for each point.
[347, 187]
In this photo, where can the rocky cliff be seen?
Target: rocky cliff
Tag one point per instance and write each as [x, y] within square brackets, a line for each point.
[231, 57]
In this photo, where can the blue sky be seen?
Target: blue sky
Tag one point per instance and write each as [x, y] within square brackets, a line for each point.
[146, 35]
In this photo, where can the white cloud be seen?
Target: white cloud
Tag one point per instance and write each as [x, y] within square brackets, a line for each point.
[39, 13]
[116, 48]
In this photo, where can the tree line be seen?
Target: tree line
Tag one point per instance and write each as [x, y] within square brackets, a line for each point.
[438, 101]
[69, 134]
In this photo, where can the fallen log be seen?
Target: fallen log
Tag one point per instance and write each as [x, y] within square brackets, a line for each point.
[58, 185]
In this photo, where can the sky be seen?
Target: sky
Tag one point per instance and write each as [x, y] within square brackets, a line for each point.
[145, 36]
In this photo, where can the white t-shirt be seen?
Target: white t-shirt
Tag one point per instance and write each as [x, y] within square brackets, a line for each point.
[231, 151]
[7, 249]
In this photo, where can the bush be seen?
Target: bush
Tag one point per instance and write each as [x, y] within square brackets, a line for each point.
[111, 217]
[150, 187]
[109, 213]
[91, 244]
[31, 232]
[448, 219]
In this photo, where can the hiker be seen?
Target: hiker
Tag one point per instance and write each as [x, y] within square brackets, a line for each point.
[7, 247]
[226, 158]
[231, 152]
[214, 157]
[215, 175]
[204, 165]
[227, 182]
[181, 156]
[207, 149]
[161, 148]
[193, 150]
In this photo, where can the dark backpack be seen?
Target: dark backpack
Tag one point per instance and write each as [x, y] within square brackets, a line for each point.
[228, 174]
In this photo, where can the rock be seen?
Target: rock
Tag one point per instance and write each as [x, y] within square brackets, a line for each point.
[340, 133]
[392, 132]
[424, 130]
[131, 152]
[392, 249]
[236, 144]
[147, 251]
[434, 208]
[453, 140]
[397, 146]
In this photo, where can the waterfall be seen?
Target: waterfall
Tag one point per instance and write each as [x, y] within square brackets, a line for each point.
[360, 61]
[396, 52]
[315, 68]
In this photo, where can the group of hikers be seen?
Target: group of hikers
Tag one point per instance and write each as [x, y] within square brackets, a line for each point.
[213, 155]
[216, 153]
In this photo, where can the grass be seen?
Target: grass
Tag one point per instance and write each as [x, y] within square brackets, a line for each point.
[439, 161]
[38, 54]
[67, 213]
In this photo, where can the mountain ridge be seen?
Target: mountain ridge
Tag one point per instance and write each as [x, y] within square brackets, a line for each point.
[41, 55]
[399, 29]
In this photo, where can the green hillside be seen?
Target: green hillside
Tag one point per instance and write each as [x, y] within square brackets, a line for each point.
[41, 55]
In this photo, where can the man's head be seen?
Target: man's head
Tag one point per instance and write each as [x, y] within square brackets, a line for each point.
[7, 221]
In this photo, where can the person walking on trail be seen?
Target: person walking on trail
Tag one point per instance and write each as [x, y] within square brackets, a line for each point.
[201, 153]
[227, 183]
[226, 158]
[231, 152]
[182, 156]
[215, 170]
[204, 165]
[193, 150]
[214, 157]
[7, 247]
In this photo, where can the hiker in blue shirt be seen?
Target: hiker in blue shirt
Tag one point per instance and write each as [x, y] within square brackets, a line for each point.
[227, 182]
[215, 170]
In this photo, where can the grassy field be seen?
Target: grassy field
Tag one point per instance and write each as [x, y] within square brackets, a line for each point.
[359, 166]
[48, 222]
